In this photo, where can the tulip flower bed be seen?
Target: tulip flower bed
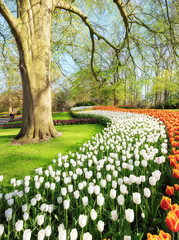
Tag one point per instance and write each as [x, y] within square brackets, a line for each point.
[76, 121]
[171, 120]
[111, 188]
[58, 122]
[16, 119]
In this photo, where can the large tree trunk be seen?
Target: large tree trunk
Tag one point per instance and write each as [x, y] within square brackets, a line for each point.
[35, 55]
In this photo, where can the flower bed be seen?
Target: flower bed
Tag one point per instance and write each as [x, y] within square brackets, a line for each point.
[76, 121]
[16, 119]
[59, 122]
[110, 188]
[171, 120]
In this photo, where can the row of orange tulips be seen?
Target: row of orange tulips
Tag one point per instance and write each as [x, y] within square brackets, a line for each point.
[171, 120]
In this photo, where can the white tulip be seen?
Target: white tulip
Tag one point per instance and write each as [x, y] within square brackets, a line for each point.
[1, 229]
[27, 234]
[44, 207]
[25, 216]
[61, 227]
[19, 225]
[26, 189]
[85, 201]
[76, 194]
[108, 177]
[152, 181]
[40, 220]
[100, 226]
[144, 163]
[127, 237]
[70, 188]
[91, 189]
[93, 214]
[103, 183]
[52, 186]
[123, 189]
[73, 234]
[120, 199]
[143, 178]
[136, 163]
[59, 200]
[100, 200]
[147, 192]
[156, 174]
[138, 180]
[136, 197]
[41, 234]
[66, 204]
[87, 236]
[57, 179]
[98, 175]
[114, 215]
[24, 208]
[33, 201]
[120, 181]
[97, 189]
[113, 193]
[114, 184]
[10, 202]
[41, 179]
[8, 214]
[38, 197]
[82, 220]
[37, 185]
[48, 231]
[47, 185]
[129, 215]
[50, 208]
[64, 191]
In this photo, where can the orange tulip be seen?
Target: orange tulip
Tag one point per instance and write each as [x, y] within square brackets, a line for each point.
[175, 173]
[174, 207]
[152, 237]
[171, 221]
[165, 203]
[169, 190]
[173, 162]
[164, 235]
[176, 186]
[176, 228]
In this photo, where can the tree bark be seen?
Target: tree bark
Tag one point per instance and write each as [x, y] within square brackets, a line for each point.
[35, 54]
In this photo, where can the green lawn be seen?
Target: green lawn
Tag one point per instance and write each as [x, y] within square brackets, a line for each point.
[62, 116]
[19, 161]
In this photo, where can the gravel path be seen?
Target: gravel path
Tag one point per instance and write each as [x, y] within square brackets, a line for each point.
[4, 120]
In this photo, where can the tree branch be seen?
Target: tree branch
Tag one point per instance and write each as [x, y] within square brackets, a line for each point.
[123, 12]
[9, 17]
[73, 9]
[66, 6]
[3, 46]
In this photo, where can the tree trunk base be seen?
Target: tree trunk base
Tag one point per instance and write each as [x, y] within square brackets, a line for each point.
[22, 140]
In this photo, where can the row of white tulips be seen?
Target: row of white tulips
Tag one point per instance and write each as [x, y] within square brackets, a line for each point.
[105, 190]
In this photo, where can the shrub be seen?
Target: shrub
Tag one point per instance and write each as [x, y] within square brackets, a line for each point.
[87, 103]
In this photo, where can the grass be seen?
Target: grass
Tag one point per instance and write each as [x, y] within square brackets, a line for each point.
[62, 116]
[19, 161]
